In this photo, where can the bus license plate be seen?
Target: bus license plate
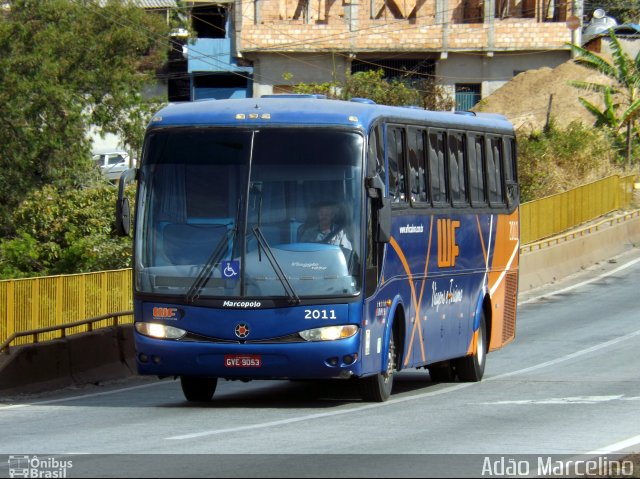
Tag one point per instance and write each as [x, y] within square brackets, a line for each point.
[242, 361]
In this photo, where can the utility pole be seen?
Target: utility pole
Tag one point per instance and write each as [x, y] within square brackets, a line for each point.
[576, 29]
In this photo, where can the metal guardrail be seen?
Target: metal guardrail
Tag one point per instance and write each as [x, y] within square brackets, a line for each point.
[557, 213]
[56, 301]
[34, 333]
[578, 233]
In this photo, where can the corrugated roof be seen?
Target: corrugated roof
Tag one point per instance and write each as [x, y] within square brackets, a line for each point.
[156, 3]
[147, 3]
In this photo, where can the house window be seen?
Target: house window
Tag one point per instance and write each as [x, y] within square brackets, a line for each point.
[209, 21]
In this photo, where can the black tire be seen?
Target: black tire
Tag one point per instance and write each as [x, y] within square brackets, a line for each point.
[442, 372]
[471, 368]
[198, 389]
[377, 388]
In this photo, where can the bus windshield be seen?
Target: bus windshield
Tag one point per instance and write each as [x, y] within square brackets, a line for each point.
[269, 213]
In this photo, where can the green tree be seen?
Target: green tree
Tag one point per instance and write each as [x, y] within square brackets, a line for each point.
[624, 11]
[66, 65]
[625, 71]
[64, 231]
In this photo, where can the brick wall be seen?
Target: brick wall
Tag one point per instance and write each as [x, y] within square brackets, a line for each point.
[287, 25]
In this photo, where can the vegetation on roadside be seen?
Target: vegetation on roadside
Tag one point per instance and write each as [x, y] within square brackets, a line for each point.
[624, 11]
[555, 160]
[65, 66]
[625, 73]
[374, 86]
[62, 231]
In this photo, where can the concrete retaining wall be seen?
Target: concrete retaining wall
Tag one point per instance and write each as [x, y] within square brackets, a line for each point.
[547, 264]
[87, 358]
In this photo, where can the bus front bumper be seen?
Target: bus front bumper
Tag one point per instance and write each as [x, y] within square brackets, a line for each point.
[305, 360]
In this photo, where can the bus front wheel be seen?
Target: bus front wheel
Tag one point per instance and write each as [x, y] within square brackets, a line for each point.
[198, 389]
[377, 388]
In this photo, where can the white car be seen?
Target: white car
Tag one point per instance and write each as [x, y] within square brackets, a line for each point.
[112, 163]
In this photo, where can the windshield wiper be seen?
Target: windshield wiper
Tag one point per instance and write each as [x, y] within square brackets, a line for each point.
[268, 252]
[214, 259]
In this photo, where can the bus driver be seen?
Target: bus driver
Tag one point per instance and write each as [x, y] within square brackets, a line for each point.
[326, 229]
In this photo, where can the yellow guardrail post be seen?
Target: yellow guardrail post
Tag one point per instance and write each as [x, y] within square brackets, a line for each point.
[11, 317]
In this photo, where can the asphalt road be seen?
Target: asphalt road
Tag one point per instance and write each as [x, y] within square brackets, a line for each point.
[569, 386]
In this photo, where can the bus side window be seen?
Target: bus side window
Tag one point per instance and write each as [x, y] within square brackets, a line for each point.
[395, 149]
[437, 168]
[376, 153]
[510, 171]
[457, 172]
[495, 171]
[477, 183]
[417, 167]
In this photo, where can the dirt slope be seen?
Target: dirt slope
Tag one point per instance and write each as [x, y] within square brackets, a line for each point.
[525, 99]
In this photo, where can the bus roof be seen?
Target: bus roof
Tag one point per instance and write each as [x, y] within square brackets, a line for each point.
[306, 110]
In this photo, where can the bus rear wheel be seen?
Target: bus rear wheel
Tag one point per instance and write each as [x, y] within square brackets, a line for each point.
[471, 368]
[377, 388]
[198, 389]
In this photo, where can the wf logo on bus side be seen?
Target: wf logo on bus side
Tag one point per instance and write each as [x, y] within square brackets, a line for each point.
[447, 247]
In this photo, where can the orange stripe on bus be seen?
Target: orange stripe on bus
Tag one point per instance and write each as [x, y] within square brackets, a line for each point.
[484, 248]
[416, 323]
[405, 264]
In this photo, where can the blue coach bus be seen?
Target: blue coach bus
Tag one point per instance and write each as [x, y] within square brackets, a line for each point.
[305, 238]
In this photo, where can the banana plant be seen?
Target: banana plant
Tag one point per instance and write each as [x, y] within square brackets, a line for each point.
[625, 71]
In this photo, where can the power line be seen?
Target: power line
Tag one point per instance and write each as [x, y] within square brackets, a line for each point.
[222, 65]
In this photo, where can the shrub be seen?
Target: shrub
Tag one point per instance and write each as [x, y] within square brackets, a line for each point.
[555, 160]
[63, 232]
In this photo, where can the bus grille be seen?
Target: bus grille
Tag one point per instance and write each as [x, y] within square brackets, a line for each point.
[510, 301]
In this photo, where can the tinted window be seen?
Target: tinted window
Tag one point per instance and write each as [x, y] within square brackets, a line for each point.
[395, 148]
[457, 168]
[437, 167]
[417, 165]
[376, 153]
[477, 183]
[494, 171]
[510, 172]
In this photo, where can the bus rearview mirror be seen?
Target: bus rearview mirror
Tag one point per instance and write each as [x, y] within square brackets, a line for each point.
[383, 231]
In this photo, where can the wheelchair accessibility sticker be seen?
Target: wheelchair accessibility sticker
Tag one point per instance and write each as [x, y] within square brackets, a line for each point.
[230, 269]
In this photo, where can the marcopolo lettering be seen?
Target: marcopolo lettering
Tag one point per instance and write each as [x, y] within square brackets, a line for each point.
[242, 304]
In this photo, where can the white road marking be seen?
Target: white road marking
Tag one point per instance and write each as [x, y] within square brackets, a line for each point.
[309, 417]
[339, 412]
[618, 446]
[84, 396]
[565, 400]
[568, 357]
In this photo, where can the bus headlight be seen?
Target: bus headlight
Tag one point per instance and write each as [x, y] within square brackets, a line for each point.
[160, 331]
[329, 333]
